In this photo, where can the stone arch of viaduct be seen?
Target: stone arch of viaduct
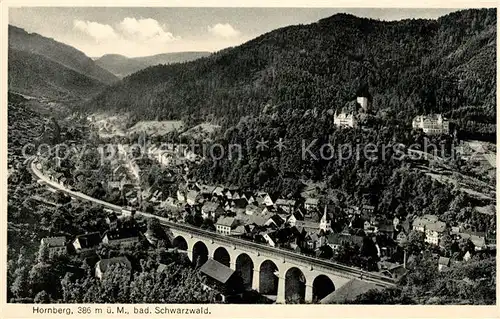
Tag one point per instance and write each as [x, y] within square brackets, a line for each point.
[268, 273]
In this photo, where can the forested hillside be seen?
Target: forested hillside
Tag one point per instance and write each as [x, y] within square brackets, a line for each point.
[58, 52]
[122, 66]
[35, 75]
[410, 66]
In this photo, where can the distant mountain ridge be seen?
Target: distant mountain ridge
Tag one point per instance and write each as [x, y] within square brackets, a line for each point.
[122, 66]
[43, 67]
[36, 75]
[59, 52]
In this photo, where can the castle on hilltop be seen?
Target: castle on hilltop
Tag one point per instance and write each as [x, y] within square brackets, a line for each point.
[348, 116]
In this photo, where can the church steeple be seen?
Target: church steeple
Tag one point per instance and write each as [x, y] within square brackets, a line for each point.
[325, 223]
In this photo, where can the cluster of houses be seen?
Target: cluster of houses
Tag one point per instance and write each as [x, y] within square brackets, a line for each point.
[435, 230]
[260, 216]
[302, 225]
[122, 233]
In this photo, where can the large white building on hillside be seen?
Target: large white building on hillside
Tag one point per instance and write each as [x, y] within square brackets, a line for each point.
[345, 119]
[348, 116]
[432, 124]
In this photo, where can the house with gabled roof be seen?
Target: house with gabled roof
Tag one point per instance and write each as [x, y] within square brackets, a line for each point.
[86, 244]
[193, 197]
[248, 196]
[275, 221]
[335, 241]
[55, 245]
[270, 199]
[181, 196]
[293, 218]
[211, 210]
[287, 205]
[311, 203]
[123, 237]
[225, 225]
[218, 191]
[443, 263]
[221, 278]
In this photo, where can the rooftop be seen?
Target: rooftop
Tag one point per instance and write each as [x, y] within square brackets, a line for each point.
[444, 261]
[217, 271]
[436, 226]
[122, 233]
[349, 291]
[54, 241]
[312, 201]
[226, 221]
[210, 206]
[89, 240]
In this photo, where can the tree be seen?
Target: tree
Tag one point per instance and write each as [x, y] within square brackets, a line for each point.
[447, 244]
[325, 251]
[21, 285]
[208, 224]
[42, 297]
[43, 256]
[415, 242]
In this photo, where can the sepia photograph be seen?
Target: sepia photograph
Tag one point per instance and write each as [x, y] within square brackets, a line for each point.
[250, 155]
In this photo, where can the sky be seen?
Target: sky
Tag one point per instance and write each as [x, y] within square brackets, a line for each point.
[142, 31]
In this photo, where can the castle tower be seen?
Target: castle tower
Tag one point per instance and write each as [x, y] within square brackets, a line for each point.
[364, 102]
[363, 97]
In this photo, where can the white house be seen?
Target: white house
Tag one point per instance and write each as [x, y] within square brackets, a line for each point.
[431, 124]
[224, 225]
[343, 119]
[56, 245]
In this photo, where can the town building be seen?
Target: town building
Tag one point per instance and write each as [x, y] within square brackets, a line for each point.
[56, 245]
[367, 210]
[221, 278]
[181, 196]
[434, 232]
[218, 191]
[211, 210]
[348, 116]
[87, 243]
[286, 205]
[112, 220]
[343, 119]
[123, 237]
[193, 197]
[401, 237]
[275, 221]
[431, 226]
[270, 199]
[431, 124]
[225, 225]
[325, 223]
[335, 241]
[252, 210]
[443, 263]
[311, 203]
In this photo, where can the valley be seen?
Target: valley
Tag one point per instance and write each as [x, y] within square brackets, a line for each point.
[302, 166]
